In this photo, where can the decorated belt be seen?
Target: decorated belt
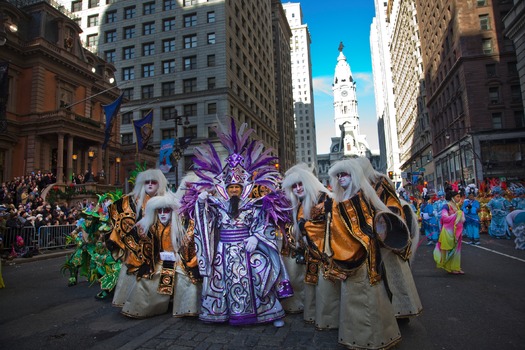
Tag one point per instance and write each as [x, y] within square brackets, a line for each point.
[234, 236]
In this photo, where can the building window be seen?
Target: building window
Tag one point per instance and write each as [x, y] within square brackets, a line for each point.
[512, 68]
[169, 5]
[167, 133]
[76, 6]
[111, 36]
[92, 4]
[482, 3]
[211, 132]
[128, 73]
[92, 40]
[129, 12]
[168, 24]
[148, 28]
[211, 38]
[127, 139]
[168, 45]
[211, 61]
[168, 113]
[128, 52]
[147, 91]
[127, 117]
[212, 108]
[93, 21]
[148, 70]
[190, 109]
[189, 85]
[190, 131]
[148, 49]
[211, 17]
[515, 93]
[519, 119]
[494, 95]
[487, 46]
[111, 16]
[168, 88]
[190, 20]
[168, 67]
[109, 56]
[484, 22]
[211, 83]
[189, 2]
[190, 63]
[129, 32]
[491, 70]
[149, 8]
[190, 41]
[508, 45]
[497, 121]
[127, 93]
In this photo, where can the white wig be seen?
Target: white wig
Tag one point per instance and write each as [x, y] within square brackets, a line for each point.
[167, 200]
[139, 190]
[370, 173]
[312, 188]
[358, 183]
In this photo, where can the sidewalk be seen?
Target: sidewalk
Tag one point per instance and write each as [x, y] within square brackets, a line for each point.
[44, 254]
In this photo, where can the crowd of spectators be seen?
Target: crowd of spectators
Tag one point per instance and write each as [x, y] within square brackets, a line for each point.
[21, 204]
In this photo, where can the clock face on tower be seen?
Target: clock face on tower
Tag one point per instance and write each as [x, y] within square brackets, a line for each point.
[344, 93]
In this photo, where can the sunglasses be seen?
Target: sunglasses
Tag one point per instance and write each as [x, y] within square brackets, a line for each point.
[340, 175]
[165, 210]
[298, 184]
[153, 182]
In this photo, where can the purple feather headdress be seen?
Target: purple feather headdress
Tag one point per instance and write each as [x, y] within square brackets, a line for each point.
[247, 164]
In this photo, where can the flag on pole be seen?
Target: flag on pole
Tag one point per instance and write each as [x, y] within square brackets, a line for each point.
[111, 112]
[166, 148]
[143, 130]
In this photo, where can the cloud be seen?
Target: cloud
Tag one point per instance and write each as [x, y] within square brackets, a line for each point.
[323, 85]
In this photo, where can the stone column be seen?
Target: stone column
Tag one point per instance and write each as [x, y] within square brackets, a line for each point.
[60, 159]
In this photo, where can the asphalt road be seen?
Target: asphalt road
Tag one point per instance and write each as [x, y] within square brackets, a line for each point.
[483, 309]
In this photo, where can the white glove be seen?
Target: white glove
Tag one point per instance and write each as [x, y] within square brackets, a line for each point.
[140, 228]
[251, 243]
[203, 196]
[426, 216]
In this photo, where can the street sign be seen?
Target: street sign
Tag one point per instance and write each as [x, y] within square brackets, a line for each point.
[422, 170]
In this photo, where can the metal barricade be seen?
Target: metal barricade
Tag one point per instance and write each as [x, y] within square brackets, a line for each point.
[54, 236]
[28, 234]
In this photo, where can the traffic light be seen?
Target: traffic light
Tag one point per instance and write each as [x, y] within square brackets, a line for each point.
[276, 166]
[391, 175]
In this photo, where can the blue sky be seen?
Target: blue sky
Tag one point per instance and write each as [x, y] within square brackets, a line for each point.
[330, 23]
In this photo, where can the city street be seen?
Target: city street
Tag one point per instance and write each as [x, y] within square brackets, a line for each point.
[483, 309]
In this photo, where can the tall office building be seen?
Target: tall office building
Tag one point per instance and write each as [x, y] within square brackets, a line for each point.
[305, 139]
[191, 62]
[383, 89]
[413, 127]
[473, 92]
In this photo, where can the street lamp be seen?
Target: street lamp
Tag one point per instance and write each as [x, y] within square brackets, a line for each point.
[74, 157]
[89, 177]
[178, 147]
[117, 173]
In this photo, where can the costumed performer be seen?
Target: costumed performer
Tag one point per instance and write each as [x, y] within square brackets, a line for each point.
[471, 208]
[399, 278]
[447, 253]
[124, 242]
[499, 207]
[516, 220]
[235, 235]
[308, 196]
[188, 282]
[151, 294]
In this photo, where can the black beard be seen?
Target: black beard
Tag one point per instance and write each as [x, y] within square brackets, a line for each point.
[234, 206]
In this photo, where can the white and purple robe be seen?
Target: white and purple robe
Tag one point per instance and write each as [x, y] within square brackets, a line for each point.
[238, 286]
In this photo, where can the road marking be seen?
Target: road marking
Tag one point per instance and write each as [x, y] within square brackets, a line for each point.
[495, 251]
